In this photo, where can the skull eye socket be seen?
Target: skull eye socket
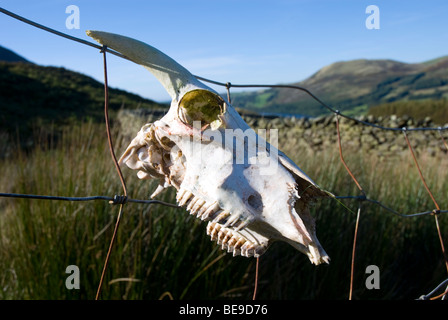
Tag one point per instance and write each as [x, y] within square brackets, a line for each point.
[202, 105]
[255, 201]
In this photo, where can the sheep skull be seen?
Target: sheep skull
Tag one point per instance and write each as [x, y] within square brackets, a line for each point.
[250, 193]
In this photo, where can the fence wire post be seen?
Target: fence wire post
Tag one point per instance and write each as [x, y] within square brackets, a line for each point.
[228, 85]
[342, 157]
[352, 271]
[359, 204]
[256, 278]
[111, 148]
[437, 210]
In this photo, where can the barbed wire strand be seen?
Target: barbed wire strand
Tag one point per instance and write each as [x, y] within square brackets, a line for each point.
[124, 199]
[58, 33]
[428, 296]
[119, 199]
[332, 110]
[112, 200]
[441, 296]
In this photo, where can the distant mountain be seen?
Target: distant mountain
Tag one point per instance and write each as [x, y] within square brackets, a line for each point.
[33, 95]
[10, 56]
[353, 87]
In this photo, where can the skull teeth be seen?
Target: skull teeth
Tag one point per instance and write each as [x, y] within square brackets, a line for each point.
[183, 196]
[233, 242]
[197, 206]
[209, 211]
[222, 216]
[223, 228]
[231, 221]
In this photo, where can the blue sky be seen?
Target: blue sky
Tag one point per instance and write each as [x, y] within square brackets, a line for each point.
[244, 41]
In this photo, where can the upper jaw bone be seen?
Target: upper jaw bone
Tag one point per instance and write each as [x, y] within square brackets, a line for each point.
[247, 210]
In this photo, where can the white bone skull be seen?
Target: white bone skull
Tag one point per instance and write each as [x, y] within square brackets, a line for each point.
[250, 193]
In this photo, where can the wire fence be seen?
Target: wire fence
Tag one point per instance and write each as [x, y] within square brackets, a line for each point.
[122, 200]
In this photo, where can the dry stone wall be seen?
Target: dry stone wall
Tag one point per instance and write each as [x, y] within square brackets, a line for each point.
[318, 134]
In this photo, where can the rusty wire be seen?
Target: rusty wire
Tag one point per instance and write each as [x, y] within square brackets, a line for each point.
[326, 106]
[352, 266]
[58, 33]
[437, 210]
[358, 215]
[256, 279]
[122, 200]
[429, 295]
[114, 159]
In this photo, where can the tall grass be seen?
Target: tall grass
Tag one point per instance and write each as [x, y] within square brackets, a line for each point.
[164, 252]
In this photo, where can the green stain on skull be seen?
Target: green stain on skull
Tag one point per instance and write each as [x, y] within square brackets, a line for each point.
[204, 106]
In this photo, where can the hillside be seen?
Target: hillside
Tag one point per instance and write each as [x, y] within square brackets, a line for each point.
[33, 95]
[10, 56]
[354, 86]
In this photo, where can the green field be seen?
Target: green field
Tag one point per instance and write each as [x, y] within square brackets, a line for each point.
[165, 252]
